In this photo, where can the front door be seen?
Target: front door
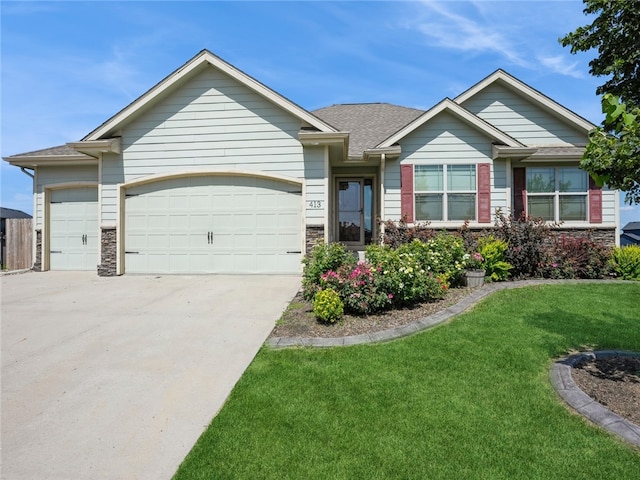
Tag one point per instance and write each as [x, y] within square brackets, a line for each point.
[355, 211]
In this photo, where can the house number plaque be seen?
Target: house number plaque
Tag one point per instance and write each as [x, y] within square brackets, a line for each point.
[315, 204]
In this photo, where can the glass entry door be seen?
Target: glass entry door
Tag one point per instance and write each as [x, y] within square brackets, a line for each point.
[355, 211]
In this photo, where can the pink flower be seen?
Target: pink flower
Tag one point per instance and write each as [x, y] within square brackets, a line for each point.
[390, 296]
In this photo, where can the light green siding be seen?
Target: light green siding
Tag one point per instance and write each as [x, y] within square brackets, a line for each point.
[444, 139]
[521, 118]
[49, 176]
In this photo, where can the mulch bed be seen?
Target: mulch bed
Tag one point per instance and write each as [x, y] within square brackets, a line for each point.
[298, 320]
[613, 382]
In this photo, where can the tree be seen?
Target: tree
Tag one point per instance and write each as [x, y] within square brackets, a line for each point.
[613, 153]
[616, 35]
[613, 157]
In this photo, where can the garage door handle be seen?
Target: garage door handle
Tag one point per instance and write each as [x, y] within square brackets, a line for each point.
[56, 251]
[294, 251]
[209, 238]
[131, 253]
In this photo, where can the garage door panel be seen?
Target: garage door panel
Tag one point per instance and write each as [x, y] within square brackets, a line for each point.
[215, 224]
[73, 229]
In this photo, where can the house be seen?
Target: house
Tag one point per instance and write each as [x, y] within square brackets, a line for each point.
[630, 234]
[211, 171]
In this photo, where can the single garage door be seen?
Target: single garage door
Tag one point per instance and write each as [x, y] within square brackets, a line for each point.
[213, 224]
[73, 227]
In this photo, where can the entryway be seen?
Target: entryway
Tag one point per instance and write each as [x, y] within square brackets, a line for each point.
[355, 215]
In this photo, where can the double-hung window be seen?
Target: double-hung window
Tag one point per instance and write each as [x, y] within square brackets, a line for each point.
[445, 192]
[557, 194]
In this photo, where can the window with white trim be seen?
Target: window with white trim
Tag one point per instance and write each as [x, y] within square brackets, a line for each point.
[445, 192]
[557, 194]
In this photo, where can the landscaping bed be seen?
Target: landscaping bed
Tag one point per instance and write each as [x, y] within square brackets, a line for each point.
[613, 382]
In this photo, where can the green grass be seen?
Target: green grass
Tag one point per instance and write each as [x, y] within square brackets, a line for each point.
[470, 399]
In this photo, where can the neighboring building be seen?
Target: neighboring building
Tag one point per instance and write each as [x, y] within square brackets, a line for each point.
[8, 213]
[630, 234]
[210, 171]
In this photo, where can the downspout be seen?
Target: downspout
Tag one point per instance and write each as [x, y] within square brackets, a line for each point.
[383, 160]
[24, 170]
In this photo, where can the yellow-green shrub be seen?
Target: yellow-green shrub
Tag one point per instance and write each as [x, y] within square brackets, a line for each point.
[327, 306]
[625, 262]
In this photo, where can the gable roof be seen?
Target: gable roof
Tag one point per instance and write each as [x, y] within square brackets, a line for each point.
[193, 66]
[368, 124]
[448, 105]
[538, 98]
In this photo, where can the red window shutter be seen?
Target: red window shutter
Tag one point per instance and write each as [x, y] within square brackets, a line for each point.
[519, 192]
[406, 192]
[484, 192]
[595, 202]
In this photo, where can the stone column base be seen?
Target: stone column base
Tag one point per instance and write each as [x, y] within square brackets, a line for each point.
[108, 252]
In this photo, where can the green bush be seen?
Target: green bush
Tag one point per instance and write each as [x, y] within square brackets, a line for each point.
[442, 255]
[327, 306]
[323, 258]
[494, 252]
[625, 262]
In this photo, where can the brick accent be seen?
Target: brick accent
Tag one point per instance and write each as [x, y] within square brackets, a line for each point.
[37, 264]
[315, 235]
[108, 252]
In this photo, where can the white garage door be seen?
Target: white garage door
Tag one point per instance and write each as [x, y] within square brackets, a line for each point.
[213, 224]
[73, 223]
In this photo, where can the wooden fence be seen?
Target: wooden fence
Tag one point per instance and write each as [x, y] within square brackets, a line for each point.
[18, 248]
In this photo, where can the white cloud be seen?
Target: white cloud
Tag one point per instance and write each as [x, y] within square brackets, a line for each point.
[559, 64]
[459, 32]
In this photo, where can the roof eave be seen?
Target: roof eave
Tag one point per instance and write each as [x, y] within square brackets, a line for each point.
[463, 114]
[95, 148]
[50, 160]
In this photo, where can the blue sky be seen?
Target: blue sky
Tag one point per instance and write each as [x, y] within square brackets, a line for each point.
[68, 66]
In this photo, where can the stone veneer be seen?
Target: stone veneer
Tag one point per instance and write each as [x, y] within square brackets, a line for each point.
[108, 252]
[37, 264]
[315, 235]
[605, 235]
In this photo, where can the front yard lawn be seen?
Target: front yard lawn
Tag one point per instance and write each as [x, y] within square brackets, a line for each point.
[469, 399]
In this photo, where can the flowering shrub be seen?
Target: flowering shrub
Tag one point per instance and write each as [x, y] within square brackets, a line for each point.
[579, 257]
[327, 306]
[474, 261]
[323, 258]
[359, 288]
[625, 262]
[442, 255]
[399, 233]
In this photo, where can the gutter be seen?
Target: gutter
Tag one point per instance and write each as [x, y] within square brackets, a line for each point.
[24, 170]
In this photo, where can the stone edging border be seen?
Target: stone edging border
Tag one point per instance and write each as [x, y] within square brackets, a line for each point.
[422, 324]
[562, 381]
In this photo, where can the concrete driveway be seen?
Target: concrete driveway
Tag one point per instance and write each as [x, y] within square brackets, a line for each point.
[117, 377]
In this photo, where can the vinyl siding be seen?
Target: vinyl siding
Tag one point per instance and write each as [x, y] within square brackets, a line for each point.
[609, 203]
[315, 185]
[522, 119]
[444, 139]
[211, 122]
[47, 176]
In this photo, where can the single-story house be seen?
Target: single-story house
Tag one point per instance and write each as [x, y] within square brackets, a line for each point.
[630, 234]
[211, 171]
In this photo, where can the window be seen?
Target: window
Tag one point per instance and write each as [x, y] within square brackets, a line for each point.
[557, 194]
[445, 192]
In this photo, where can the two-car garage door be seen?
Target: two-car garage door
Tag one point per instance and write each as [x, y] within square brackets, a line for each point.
[213, 224]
